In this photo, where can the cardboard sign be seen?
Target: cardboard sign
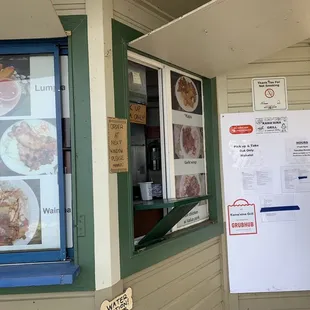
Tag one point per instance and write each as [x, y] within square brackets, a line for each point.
[122, 302]
[269, 94]
[138, 113]
[118, 145]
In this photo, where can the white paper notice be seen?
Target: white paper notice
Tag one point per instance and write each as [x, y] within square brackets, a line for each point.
[295, 179]
[273, 202]
[257, 181]
[298, 151]
[245, 154]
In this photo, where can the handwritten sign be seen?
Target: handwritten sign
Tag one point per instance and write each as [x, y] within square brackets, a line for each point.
[122, 302]
[138, 113]
[118, 145]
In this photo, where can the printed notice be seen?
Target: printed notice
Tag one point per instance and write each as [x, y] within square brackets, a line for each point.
[269, 94]
[298, 151]
[245, 154]
[268, 125]
[118, 145]
[295, 179]
[138, 113]
[242, 218]
[257, 181]
[277, 208]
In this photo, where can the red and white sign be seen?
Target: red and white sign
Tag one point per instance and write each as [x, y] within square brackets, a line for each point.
[242, 218]
[241, 129]
[269, 93]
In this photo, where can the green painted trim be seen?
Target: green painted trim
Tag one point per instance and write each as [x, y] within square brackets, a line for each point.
[81, 163]
[132, 261]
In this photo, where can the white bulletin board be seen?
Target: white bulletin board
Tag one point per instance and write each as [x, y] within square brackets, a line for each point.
[266, 167]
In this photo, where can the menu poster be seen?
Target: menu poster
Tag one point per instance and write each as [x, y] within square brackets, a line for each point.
[29, 192]
[188, 145]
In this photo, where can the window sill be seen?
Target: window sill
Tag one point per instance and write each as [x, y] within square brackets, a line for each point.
[41, 274]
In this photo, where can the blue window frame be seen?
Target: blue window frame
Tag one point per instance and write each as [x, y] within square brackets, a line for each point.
[54, 49]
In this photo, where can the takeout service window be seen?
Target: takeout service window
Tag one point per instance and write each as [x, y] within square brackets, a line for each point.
[35, 153]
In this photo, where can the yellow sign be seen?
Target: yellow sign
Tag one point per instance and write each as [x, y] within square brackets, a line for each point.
[138, 113]
[118, 145]
[123, 302]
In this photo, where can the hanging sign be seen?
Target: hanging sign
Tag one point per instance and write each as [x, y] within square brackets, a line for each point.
[118, 145]
[122, 302]
[269, 94]
[138, 113]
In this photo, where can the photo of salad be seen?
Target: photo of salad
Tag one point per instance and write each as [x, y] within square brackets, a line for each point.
[14, 85]
[19, 213]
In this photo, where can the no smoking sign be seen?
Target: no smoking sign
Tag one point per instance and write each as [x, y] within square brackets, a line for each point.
[269, 94]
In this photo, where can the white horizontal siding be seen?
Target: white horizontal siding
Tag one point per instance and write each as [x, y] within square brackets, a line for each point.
[294, 64]
[190, 280]
[69, 7]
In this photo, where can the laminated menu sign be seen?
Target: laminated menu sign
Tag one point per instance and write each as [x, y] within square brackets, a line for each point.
[118, 145]
[188, 144]
[29, 204]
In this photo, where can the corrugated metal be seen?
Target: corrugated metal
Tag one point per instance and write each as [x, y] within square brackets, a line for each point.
[190, 280]
[69, 7]
[294, 64]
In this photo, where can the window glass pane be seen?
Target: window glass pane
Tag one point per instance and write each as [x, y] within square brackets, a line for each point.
[146, 144]
[66, 133]
[29, 193]
[188, 144]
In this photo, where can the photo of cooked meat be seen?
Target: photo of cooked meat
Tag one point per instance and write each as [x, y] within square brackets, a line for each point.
[30, 147]
[186, 93]
[19, 213]
[189, 186]
[188, 142]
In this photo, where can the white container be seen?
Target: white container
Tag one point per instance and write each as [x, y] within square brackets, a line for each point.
[146, 190]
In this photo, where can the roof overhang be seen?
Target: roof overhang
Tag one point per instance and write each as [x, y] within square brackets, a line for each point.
[224, 35]
[29, 19]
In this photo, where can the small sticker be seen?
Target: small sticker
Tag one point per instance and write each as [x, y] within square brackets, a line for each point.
[240, 129]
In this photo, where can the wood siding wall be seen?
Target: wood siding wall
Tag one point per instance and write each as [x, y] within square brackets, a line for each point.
[191, 280]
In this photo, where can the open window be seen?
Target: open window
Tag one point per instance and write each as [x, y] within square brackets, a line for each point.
[175, 148]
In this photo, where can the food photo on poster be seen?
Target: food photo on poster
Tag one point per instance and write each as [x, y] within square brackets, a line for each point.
[188, 142]
[186, 94]
[28, 147]
[15, 86]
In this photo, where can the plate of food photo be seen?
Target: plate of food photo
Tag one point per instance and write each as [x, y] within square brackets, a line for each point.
[10, 90]
[189, 186]
[19, 214]
[190, 142]
[29, 147]
[186, 94]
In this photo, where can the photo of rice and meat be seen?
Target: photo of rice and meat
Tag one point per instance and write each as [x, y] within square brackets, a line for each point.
[14, 86]
[19, 213]
[188, 142]
[190, 185]
[28, 147]
[186, 94]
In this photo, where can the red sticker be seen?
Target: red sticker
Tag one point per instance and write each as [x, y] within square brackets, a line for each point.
[241, 129]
